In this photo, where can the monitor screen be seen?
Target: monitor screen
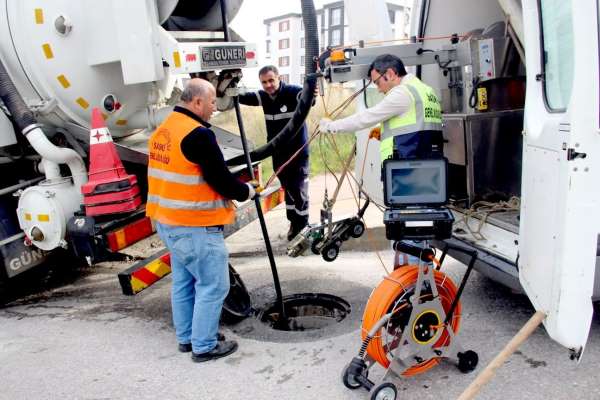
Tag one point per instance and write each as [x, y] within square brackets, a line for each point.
[415, 182]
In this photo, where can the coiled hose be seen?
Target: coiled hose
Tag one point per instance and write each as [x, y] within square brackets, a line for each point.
[382, 306]
[21, 114]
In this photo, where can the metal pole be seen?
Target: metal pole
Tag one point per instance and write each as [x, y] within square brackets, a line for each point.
[261, 217]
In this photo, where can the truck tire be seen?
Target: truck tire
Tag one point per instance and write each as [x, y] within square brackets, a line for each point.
[237, 305]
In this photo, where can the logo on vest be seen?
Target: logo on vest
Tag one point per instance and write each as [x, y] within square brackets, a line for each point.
[432, 98]
[161, 147]
[283, 108]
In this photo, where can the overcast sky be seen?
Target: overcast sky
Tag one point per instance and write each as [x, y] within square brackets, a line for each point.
[249, 23]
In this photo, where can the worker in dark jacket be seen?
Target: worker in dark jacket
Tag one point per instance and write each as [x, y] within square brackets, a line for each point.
[279, 100]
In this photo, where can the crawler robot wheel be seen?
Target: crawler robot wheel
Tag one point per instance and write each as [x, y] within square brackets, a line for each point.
[349, 379]
[384, 391]
[467, 361]
[357, 230]
[330, 252]
[313, 246]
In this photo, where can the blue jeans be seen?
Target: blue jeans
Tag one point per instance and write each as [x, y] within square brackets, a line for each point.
[200, 276]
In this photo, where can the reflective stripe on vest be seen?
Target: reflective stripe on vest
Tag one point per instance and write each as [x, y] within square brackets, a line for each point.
[175, 177]
[177, 192]
[424, 114]
[187, 205]
[276, 117]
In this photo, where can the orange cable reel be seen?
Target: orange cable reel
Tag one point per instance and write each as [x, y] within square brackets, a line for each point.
[397, 285]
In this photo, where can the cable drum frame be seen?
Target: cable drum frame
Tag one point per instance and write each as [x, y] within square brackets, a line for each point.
[430, 293]
[405, 289]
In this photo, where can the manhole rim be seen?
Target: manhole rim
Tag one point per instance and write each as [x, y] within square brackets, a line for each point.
[334, 301]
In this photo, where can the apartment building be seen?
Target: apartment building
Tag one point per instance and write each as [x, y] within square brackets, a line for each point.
[284, 36]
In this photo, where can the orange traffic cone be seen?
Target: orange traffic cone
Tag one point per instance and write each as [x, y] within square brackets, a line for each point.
[110, 189]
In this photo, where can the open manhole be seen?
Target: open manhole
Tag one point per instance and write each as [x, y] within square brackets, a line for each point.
[305, 312]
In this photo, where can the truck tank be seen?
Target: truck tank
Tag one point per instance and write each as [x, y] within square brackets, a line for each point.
[66, 57]
[61, 59]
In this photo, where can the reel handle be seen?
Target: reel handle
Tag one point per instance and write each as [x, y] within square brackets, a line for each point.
[424, 254]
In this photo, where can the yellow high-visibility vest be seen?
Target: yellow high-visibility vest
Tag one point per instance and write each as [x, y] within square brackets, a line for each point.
[177, 193]
[424, 114]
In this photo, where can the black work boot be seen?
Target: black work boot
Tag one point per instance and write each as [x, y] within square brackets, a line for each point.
[292, 232]
[187, 347]
[222, 349]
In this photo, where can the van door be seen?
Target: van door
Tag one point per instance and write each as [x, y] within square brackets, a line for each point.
[561, 168]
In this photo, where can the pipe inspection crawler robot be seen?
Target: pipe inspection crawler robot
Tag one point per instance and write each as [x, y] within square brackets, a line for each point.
[327, 237]
[412, 318]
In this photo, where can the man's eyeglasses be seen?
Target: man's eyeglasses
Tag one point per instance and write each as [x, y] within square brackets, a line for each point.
[377, 80]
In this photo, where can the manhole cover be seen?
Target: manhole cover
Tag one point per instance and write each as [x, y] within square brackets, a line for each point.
[305, 312]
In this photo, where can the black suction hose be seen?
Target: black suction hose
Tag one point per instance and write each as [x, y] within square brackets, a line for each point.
[21, 114]
[261, 217]
[311, 36]
[292, 128]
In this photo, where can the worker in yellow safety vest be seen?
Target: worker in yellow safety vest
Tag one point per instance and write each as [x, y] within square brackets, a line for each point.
[189, 192]
[409, 117]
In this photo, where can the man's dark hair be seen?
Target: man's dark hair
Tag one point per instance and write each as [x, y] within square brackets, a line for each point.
[385, 61]
[268, 68]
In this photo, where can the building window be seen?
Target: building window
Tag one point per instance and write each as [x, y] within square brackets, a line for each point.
[302, 78]
[284, 61]
[284, 26]
[285, 77]
[268, 29]
[301, 24]
[268, 46]
[392, 14]
[284, 44]
[301, 42]
[336, 37]
[302, 60]
[335, 17]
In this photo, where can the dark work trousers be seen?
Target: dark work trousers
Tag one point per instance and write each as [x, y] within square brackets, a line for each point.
[294, 179]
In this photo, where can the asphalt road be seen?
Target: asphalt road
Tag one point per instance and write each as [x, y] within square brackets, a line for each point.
[82, 339]
[71, 334]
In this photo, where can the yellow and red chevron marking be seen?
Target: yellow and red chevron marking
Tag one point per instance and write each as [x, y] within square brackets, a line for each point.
[123, 237]
[144, 273]
[273, 200]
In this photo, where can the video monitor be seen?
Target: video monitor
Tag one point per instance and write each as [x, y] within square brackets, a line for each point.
[415, 182]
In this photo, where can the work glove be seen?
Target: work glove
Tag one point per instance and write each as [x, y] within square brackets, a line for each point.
[325, 125]
[254, 189]
[375, 133]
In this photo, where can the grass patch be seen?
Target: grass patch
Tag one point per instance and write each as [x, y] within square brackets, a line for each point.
[322, 153]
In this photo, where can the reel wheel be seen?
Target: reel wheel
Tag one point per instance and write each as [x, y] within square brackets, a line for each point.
[349, 378]
[467, 361]
[384, 391]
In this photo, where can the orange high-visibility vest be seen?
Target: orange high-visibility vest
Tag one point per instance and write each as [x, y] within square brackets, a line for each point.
[177, 193]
